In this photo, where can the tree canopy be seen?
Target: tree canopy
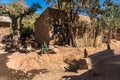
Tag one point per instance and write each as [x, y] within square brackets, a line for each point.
[112, 18]
[16, 11]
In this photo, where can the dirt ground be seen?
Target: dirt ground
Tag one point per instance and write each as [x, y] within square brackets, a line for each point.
[64, 65]
[107, 69]
[12, 74]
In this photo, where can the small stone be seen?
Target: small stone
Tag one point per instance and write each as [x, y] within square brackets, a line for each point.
[40, 73]
[29, 74]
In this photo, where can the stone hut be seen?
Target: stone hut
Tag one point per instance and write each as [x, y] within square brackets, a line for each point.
[45, 26]
[4, 26]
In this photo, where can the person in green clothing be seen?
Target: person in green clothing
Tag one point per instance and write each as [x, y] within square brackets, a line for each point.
[44, 48]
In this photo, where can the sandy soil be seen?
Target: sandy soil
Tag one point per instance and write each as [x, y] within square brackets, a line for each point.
[64, 65]
[12, 74]
[107, 69]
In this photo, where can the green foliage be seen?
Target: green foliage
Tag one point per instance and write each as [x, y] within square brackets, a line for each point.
[92, 34]
[44, 48]
[89, 7]
[26, 32]
[15, 9]
[17, 12]
[112, 18]
[29, 20]
[33, 8]
[2, 12]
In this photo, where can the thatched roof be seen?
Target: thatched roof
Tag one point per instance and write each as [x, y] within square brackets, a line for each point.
[5, 19]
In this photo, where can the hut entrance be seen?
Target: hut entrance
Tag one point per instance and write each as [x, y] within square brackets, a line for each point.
[58, 37]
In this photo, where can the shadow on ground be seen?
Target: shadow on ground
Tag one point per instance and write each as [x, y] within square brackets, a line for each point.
[108, 68]
[73, 65]
[10, 74]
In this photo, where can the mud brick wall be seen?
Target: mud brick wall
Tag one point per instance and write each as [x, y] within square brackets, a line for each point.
[4, 31]
[42, 29]
[44, 26]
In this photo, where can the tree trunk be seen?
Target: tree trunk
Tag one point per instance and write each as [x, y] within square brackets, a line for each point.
[21, 25]
[109, 36]
[16, 34]
[14, 25]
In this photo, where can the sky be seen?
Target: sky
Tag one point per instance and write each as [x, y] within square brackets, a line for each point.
[29, 2]
[41, 2]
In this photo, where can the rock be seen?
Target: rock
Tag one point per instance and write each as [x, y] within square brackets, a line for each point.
[63, 66]
[2, 51]
[55, 50]
[29, 74]
[29, 48]
[66, 45]
[51, 47]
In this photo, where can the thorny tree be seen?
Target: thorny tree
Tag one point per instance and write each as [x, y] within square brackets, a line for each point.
[88, 34]
[17, 11]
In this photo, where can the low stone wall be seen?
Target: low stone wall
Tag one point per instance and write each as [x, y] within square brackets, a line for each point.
[88, 63]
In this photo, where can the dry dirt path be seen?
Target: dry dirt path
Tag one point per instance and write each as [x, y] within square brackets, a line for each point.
[107, 69]
[10, 74]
